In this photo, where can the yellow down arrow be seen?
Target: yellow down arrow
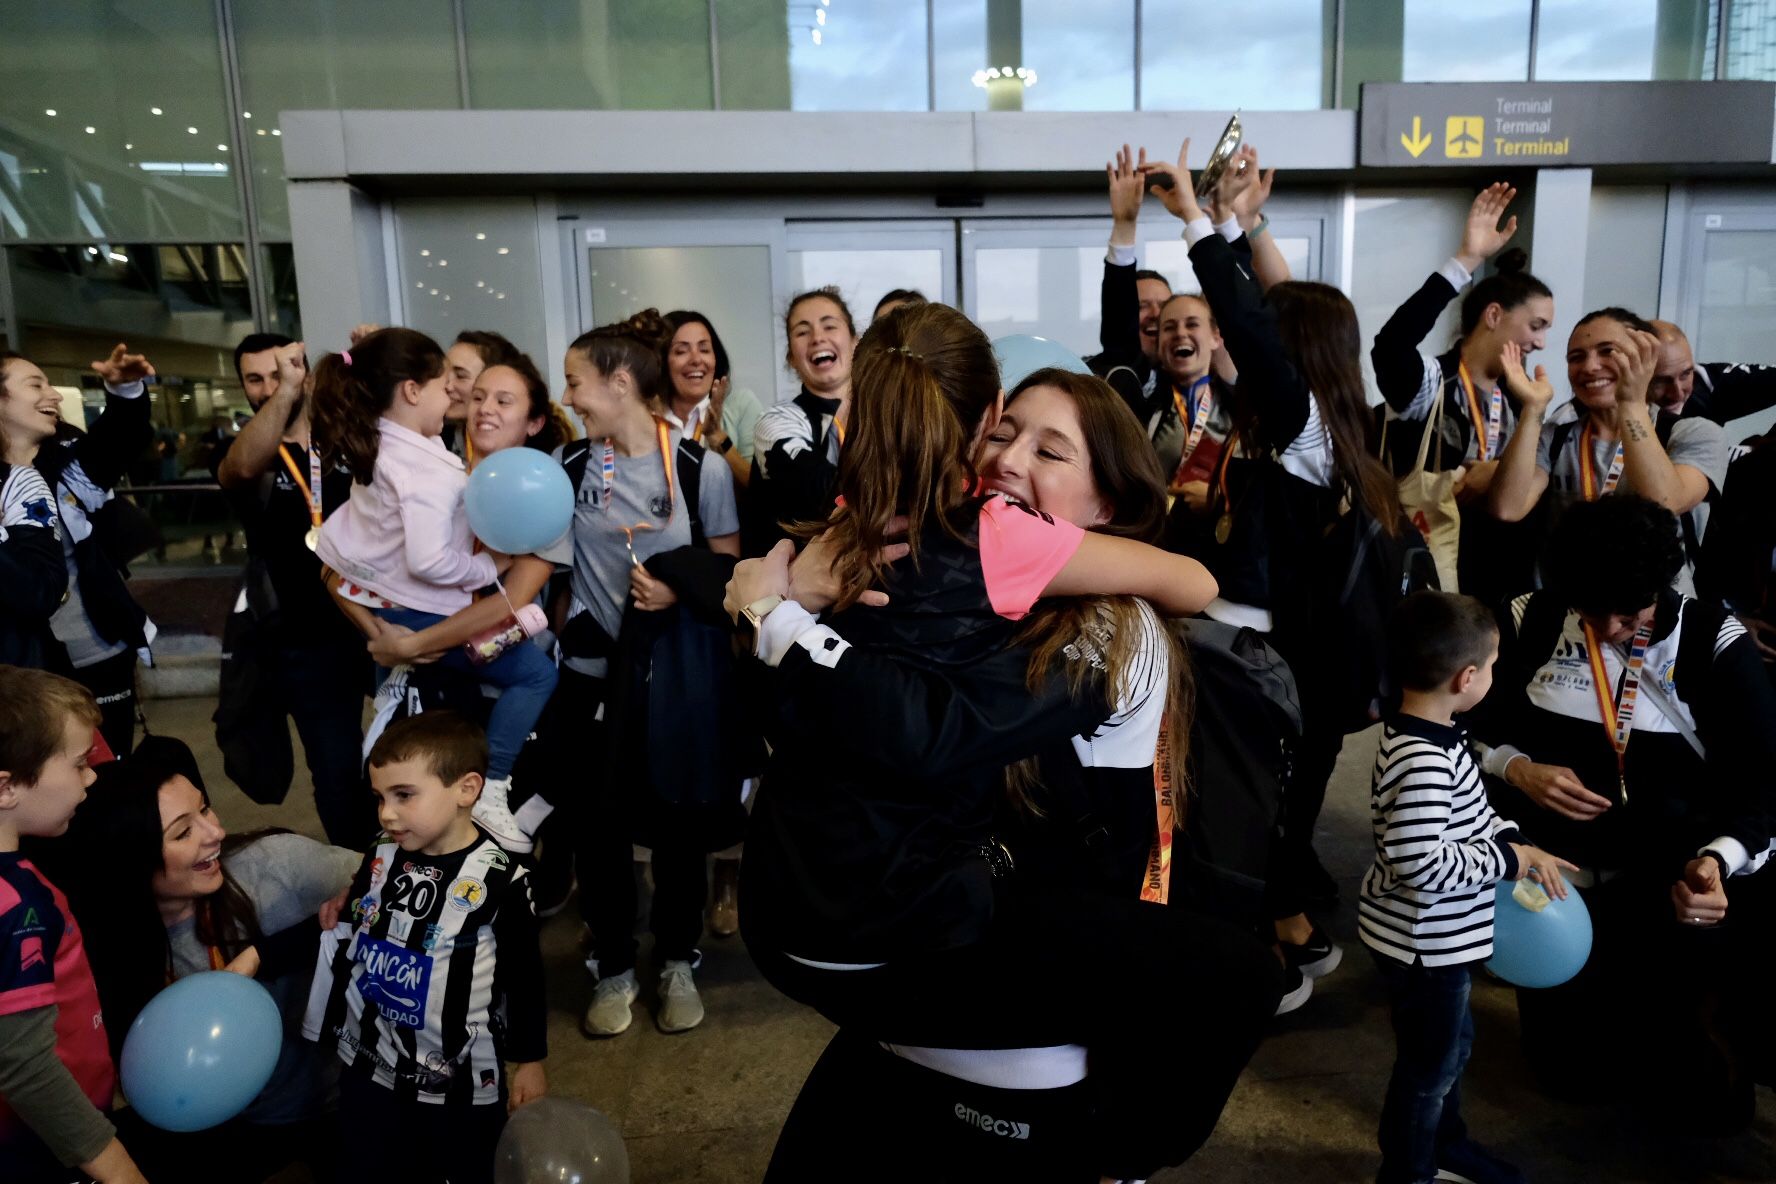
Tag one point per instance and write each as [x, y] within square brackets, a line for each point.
[1418, 141]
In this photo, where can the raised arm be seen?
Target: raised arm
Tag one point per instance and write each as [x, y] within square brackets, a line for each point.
[1119, 305]
[1241, 194]
[118, 436]
[1520, 480]
[1646, 466]
[255, 449]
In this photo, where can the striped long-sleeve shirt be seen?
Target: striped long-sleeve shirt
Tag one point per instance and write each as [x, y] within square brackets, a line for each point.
[1439, 849]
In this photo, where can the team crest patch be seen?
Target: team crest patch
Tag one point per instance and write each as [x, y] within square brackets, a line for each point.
[660, 506]
[497, 860]
[467, 894]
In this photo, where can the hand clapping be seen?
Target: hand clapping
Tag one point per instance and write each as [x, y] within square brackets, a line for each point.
[123, 367]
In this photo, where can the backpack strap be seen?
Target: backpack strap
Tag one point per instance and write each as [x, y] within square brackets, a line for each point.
[575, 459]
[1663, 424]
[1557, 443]
[1537, 633]
[690, 480]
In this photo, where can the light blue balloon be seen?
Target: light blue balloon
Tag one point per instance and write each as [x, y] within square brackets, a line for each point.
[1021, 355]
[201, 1050]
[1539, 949]
[519, 500]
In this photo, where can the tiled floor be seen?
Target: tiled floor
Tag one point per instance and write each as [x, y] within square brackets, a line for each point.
[705, 1106]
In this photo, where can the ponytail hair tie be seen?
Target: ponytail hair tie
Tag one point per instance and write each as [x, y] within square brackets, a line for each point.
[908, 351]
[346, 357]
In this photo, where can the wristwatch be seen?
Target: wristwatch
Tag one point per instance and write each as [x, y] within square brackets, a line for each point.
[753, 615]
[726, 446]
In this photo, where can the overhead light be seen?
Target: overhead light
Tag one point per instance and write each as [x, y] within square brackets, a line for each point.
[221, 147]
[501, 296]
[246, 115]
[191, 131]
[816, 33]
[424, 251]
[434, 291]
[443, 263]
[420, 284]
[277, 131]
[446, 296]
[50, 111]
[480, 283]
[505, 250]
[119, 256]
[1023, 74]
[190, 168]
[154, 110]
[91, 130]
[479, 236]
[92, 250]
[820, 16]
[262, 131]
[128, 147]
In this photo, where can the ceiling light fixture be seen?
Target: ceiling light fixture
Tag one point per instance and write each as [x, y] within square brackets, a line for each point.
[1023, 74]
[154, 111]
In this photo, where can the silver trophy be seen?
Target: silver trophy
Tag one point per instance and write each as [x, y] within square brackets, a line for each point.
[1210, 176]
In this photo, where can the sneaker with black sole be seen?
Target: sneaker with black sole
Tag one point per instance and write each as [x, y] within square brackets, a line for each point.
[1316, 957]
[1296, 988]
[1467, 1162]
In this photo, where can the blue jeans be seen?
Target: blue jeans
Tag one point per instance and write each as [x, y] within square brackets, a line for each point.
[1433, 1035]
[524, 674]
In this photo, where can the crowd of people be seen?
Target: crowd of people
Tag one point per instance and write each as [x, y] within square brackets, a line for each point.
[915, 679]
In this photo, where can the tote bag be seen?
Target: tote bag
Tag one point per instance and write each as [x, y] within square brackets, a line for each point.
[1429, 501]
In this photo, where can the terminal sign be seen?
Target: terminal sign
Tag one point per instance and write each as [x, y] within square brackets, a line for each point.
[1577, 123]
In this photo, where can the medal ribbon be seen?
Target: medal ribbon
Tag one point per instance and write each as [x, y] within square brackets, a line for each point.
[1588, 467]
[1203, 404]
[1157, 885]
[1487, 446]
[608, 468]
[1618, 715]
[311, 488]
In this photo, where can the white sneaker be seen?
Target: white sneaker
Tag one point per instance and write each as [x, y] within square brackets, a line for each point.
[495, 816]
[681, 1008]
[1299, 987]
[608, 1014]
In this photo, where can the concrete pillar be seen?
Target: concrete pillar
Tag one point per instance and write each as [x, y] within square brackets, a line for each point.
[341, 268]
[1005, 47]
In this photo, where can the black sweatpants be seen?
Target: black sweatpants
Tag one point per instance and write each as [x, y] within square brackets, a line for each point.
[1120, 976]
[387, 1139]
[112, 682]
[574, 742]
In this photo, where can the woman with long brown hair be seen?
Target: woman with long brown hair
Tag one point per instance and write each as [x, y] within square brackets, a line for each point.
[1298, 459]
[876, 879]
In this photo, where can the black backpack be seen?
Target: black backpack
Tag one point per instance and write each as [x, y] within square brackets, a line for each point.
[1247, 722]
[1362, 574]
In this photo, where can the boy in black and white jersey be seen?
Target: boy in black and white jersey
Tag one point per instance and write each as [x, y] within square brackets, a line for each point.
[1426, 906]
[442, 933]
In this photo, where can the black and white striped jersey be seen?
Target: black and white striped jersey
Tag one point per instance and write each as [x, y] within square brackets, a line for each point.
[1439, 849]
[435, 979]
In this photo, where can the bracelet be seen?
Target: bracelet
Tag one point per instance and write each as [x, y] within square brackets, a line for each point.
[1263, 225]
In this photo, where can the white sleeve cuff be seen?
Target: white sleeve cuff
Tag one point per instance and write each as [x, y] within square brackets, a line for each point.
[1732, 851]
[1496, 760]
[1458, 276]
[778, 630]
[1120, 255]
[1198, 229]
[1230, 229]
[127, 390]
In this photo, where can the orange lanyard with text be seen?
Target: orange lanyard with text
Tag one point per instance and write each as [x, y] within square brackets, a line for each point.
[311, 489]
[1588, 467]
[1157, 885]
[1204, 403]
[1618, 715]
[1487, 443]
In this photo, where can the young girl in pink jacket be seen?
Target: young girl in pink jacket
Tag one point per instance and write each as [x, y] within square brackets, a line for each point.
[403, 539]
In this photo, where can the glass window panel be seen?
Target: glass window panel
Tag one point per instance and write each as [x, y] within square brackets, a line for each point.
[752, 41]
[84, 155]
[473, 264]
[722, 283]
[180, 293]
[1623, 244]
[1267, 55]
[1401, 236]
[1751, 40]
[283, 311]
[1083, 55]
[861, 55]
[1048, 291]
[863, 277]
[1475, 41]
[324, 54]
[1738, 305]
[571, 54]
[1634, 40]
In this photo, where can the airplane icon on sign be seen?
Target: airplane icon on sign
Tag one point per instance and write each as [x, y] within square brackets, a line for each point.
[1461, 136]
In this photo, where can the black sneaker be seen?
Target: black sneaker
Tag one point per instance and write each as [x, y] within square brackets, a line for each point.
[1316, 958]
[1467, 1162]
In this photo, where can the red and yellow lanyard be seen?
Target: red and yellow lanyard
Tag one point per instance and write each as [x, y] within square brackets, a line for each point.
[310, 487]
[1486, 444]
[1203, 400]
[1618, 714]
[1588, 467]
[609, 472]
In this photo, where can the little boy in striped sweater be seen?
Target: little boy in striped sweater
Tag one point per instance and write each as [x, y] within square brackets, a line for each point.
[1426, 907]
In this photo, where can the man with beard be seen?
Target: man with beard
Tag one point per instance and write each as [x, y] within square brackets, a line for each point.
[308, 662]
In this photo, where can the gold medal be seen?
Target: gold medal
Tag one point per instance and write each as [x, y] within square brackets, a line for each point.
[1223, 528]
[312, 538]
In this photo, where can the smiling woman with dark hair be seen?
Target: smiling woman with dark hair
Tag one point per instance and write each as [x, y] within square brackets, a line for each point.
[1634, 730]
[164, 891]
[700, 399]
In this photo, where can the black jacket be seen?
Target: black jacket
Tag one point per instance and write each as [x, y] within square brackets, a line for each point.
[70, 463]
[1724, 391]
[1735, 567]
[33, 573]
[1122, 363]
[792, 479]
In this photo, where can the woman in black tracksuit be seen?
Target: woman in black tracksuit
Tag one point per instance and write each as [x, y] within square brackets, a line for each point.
[1496, 559]
[1657, 783]
[99, 628]
[875, 884]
